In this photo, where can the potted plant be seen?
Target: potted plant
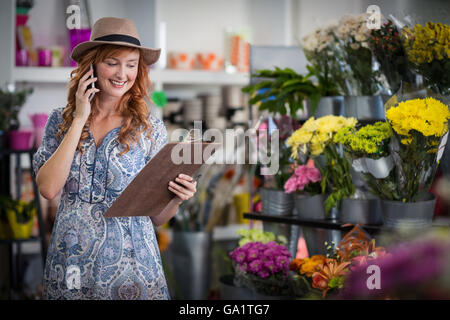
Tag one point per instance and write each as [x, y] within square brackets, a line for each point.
[419, 130]
[367, 149]
[282, 91]
[318, 47]
[21, 218]
[315, 138]
[263, 268]
[10, 103]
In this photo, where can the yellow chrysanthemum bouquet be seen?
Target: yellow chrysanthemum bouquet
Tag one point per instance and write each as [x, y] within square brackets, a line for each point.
[367, 148]
[420, 131]
[428, 49]
[315, 138]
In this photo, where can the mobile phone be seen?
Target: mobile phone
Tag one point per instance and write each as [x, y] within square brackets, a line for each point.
[92, 84]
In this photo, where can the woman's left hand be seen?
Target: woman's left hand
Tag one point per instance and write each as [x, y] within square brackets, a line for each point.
[184, 187]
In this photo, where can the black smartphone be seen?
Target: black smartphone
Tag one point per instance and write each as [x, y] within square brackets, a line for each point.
[92, 85]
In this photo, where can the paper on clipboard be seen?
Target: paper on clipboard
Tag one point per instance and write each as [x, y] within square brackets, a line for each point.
[148, 194]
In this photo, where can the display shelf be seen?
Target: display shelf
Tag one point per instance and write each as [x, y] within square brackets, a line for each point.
[322, 224]
[330, 224]
[163, 76]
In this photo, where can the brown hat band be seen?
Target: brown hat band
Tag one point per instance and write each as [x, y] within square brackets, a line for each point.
[119, 37]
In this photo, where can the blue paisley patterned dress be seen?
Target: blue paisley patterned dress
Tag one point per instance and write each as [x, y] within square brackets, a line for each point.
[89, 256]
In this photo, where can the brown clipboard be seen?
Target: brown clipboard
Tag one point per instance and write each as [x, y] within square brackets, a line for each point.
[148, 193]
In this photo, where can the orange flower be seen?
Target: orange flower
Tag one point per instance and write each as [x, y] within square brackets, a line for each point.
[327, 271]
[307, 266]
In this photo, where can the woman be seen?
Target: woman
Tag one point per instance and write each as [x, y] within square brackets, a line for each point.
[91, 150]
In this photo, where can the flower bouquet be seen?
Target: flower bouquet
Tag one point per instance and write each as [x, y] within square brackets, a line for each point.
[327, 274]
[387, 46]
[257, 235]
[355, 56]
[428, 50]
[306, 178]
[420, 131]
[315, 138]
[318, 48]
[367, 148]
[262, 267]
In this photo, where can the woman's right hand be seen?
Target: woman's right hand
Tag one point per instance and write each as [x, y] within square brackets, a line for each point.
[83, 105]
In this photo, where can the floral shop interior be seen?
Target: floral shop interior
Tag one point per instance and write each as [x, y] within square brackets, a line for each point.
[331, 173]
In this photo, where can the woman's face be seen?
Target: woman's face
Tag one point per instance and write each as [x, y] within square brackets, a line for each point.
[115, 76]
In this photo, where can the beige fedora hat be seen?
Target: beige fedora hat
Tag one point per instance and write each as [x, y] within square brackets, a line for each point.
[122, 32]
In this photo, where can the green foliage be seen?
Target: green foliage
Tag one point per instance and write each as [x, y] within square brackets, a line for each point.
[284, 87]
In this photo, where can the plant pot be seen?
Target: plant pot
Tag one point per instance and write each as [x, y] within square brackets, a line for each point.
[20, 230]
[326, 106]
[276, 202]
[229, 291]
[364, 107]
[20, 140]
[191, 262]
[312, 208]
[410, 215]
[361, 211]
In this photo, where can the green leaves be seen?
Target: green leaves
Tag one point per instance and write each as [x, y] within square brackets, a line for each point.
[285, 89]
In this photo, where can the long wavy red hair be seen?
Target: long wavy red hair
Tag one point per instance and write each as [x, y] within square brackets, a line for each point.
[132, 106]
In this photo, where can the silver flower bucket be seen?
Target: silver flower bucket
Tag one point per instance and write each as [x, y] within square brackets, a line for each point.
[408, 215]
[276, 202]
[361, 211]
[364, 107]
[326, 106]
[191, 261]
[229, 291]
[312, 208]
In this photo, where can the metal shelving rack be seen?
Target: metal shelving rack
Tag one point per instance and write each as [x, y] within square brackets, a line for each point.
[15, 259]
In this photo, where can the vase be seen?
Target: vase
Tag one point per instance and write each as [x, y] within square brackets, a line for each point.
[20, 140]
[230, 291]
[361, 211]
[326, 106]
[20, 230]
[408, 215]
[190, 255]
[364, 107]
[312, 208]
[276, 202]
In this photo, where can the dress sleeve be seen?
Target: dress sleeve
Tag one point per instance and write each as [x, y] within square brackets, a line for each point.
[159, 137]
[49, 142]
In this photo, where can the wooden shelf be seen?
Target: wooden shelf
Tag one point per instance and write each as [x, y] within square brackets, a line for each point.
[164, 76]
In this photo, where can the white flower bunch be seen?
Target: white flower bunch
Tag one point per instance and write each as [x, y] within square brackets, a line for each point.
[352, 29]
[322, 38]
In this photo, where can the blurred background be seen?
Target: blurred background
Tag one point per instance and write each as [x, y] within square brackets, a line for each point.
[206, 60]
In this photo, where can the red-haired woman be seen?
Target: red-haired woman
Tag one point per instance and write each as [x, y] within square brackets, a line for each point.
[92, 149]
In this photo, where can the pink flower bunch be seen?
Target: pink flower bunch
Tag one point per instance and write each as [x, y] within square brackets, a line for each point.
[302, 176]
[261, 259]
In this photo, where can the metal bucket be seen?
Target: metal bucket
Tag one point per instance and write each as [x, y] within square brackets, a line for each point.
[327, 106]
[312, 208]
[364, 107]
[276, 202]
[361, 211]
[228, 291]
[408, 215]
[191, 263]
